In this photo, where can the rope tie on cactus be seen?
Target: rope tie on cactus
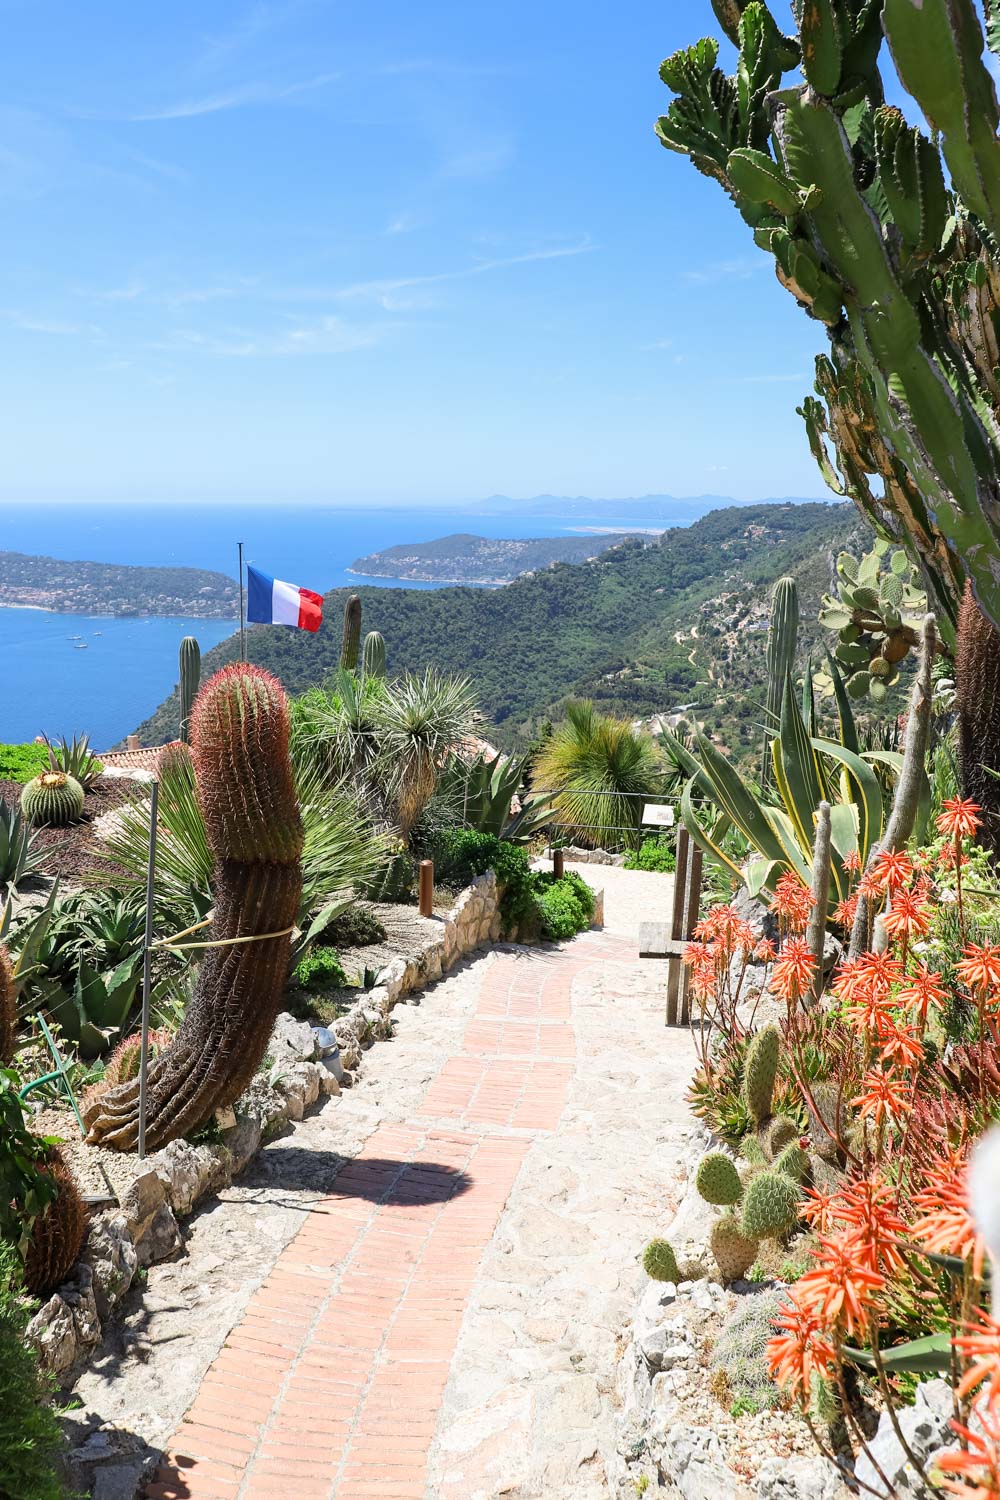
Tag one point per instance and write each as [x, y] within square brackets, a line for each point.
[253, 937]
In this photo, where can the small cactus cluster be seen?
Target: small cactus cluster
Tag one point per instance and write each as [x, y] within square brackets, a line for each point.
[877, 614]
[740, 1351]
[52, 800]
[57, 1233]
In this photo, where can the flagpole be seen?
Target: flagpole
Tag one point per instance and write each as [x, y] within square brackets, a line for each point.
[243, 624]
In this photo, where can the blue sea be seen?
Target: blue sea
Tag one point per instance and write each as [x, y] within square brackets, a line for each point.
[129, 666]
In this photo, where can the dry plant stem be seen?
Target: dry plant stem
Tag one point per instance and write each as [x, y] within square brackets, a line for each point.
[852, 1422]
[890, 1407]
[816, 929]
[833, 1458]
[903, 817]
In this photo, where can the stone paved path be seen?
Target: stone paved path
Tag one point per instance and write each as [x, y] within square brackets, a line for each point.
[443, 1322]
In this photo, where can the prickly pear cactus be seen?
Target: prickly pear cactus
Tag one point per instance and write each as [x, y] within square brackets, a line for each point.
[793, 1162]
[760, 1071]
[770, 1205]
[877, 612]
[717, 1179]
[734, 1251]
[659, 1261]
[53, 800]
[777, 1134]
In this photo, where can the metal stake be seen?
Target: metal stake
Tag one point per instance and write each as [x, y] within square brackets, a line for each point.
[147, 951]
[243, 622]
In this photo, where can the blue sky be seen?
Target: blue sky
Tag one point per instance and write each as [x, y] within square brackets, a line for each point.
[312, 251]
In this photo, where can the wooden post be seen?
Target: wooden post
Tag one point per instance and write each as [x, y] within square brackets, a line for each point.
[692, 901]
[558, 864]
[426, 888]
[674, 966]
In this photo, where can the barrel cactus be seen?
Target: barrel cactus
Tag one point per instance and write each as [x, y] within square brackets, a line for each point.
[56, 1234]
[717, 1179]
[373, 657]
[760, 1071]
[53, 800]
[351, 641]
[770, 1205]
[8, 1009]
[240, 728]
[659, 1261]
[190, 676]
[123, 1064]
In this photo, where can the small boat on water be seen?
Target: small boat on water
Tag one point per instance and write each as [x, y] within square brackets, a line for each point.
[98, 632]
[80, 646]
[75, 638]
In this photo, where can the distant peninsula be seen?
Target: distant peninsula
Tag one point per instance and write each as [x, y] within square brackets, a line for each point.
[92, 588]
[464, 558]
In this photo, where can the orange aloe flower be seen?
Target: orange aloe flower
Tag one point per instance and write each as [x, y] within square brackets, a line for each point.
[793, 970]
[852, 862]
[882, 970]
[981, 1347]
[947, 1226]
[819, 1209]
[979, 966]
[923, 990]
[902, 1047]
[908, 917]
[793, 901]
[800, 1350]
[841, 1289]
[765, 951]
[960, 817]
[978, 1464]
[892, 869]
[845, 911]
[884, 1097]
[868, 1205]
[869, 886]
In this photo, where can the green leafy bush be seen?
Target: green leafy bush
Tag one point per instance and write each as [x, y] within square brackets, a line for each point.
[565, 906]
[320, 970]
[357, 927]
[30, 1436]
[655, 854]
[22, 763]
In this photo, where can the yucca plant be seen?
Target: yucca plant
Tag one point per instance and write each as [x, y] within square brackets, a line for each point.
[335, 728]
[75, 758]
[598, 770]
[419, 721]
[20, 855]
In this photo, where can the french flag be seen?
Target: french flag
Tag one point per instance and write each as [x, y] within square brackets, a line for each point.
[272, 602]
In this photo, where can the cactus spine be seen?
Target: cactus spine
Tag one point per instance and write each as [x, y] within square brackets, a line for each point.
[374, 655]
[760, 1071]
[190, 676]
[52, 800]
[8, 1009]
[659, 1262]
[781, 641]
[240, 731]
[123, 1064]
[352, 634]
[56, 1235]
[770, 1205]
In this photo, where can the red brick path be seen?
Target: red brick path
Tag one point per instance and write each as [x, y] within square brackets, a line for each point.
[330, 1386]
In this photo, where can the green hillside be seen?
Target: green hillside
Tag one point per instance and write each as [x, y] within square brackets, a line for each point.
[641, 630]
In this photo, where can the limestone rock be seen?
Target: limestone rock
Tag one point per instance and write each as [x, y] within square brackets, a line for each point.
[690, 1234]
[292, 1040]
[111, 1256]
[926, 1427]
[67, 1326]
[242, 1139]
[161, 1239]
[140, 1200]
[692, 1459]
[798, 1479]
[189, 1172]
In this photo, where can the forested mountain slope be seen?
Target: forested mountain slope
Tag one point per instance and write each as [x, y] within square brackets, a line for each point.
[642, 629]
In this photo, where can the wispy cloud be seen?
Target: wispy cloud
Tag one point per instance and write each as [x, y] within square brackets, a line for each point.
[54, 326]
[327, 335]
[256, 23]
[379, 289]
[725, 270]
[657, 344]
[242, 97]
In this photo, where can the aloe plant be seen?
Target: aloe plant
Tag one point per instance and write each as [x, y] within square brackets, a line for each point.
[20, 855]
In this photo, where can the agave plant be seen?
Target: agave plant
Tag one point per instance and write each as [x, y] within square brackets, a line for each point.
[74, 758]
[482, 792]
[599, 770]
[20, 856]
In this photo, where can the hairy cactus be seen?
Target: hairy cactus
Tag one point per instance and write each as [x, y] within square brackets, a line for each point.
[782, 637]
[734, 1251]
[57, 1233]
[741, 1350]
[373, 659]
[246, 791]
[717, 1179]
[190, 676]
[770, 1205]
[777, 1135]
[793, 1162]
[760, 1071]
[8, 1009]
[352, 634]
[123, 1064]
[52, 800]
[659, 1262]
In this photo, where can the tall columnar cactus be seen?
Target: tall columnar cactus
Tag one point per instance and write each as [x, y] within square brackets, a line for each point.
[782, 637]
[8, 1009]
[52, 800]
[760, 1071]
[820, 892]
[889, 237]
[190, 677]
[246, 789]
[373, 658]
[352, 634]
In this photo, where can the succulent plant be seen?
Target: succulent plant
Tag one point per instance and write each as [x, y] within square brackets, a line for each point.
[52, 800]
[717, 1179]
[777, 1134]
[793, 1162]
[741, 1350]
[57, 1232]
[246, 790]
[8, 1008]
[373, 656]
[351, 641]
[123, 1064]
[659, 1262]
[734, 1251]
[782, 638]
[760, 1071]
[770, 1205]
[189, 662]
[877, 612]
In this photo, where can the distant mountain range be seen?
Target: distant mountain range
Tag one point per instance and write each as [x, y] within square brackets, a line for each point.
[668, 510]
[465, 558]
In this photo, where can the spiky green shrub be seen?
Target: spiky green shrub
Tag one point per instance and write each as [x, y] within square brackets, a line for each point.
[601, 770]
[76, 759]
[740, 1351]
[52, 800]
[770, 1205]
[760, 1072]
[659, 1261]
[30, 1434]
[20, 856]
[717, 1179]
